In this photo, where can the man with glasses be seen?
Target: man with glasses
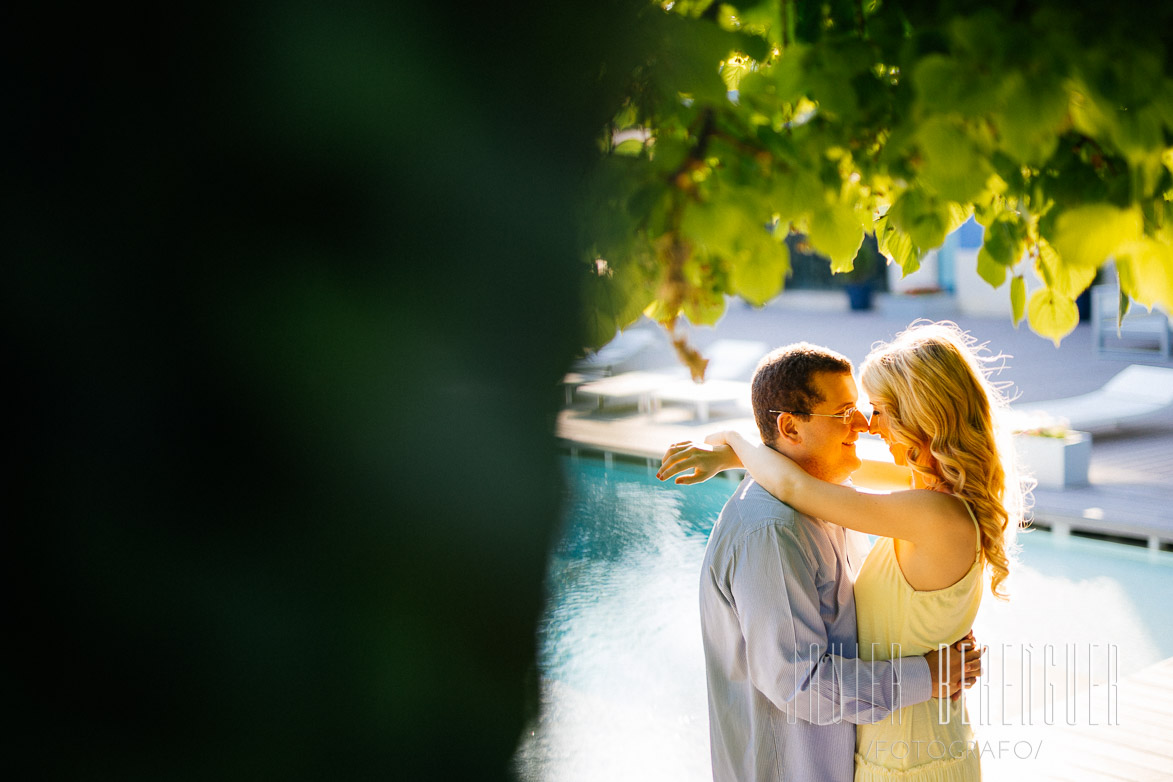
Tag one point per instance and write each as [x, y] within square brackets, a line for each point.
[777, 604]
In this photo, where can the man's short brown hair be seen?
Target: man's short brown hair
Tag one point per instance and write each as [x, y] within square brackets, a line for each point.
[784, 380]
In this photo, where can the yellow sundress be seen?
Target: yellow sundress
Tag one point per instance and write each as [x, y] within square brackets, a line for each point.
[917, 742]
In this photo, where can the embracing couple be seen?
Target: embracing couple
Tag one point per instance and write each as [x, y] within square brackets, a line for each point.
[804, 639]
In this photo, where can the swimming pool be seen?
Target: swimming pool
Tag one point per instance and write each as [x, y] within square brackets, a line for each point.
[622, 671]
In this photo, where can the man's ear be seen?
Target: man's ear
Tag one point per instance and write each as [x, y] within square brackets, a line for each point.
[787, 427]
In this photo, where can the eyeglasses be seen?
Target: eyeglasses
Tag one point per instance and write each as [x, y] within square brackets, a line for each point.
[845, 417]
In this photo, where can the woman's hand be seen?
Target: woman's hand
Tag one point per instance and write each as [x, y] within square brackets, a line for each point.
[704, 460]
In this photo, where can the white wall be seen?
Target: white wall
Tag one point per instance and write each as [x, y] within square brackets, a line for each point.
[975, 296]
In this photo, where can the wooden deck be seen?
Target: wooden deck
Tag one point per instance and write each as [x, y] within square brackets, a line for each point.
[1130, 493]
[1127, 737]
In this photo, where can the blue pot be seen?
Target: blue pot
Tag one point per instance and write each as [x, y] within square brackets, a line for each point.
[860, 295]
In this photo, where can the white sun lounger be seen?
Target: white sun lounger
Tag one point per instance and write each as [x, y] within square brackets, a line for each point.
[730, 361]
[1131, 335]
[602, 362]
[1135, 393]
[703, 395]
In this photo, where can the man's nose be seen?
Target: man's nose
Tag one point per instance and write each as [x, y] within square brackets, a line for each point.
[860, 422]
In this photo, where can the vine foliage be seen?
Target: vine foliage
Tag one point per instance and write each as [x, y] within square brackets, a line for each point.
[749, 119]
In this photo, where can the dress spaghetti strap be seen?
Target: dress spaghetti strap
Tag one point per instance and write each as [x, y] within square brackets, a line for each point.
[977, 527]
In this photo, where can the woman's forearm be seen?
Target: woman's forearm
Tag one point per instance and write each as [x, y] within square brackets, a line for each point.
[909, 515]
[776, 474]
[731, 460]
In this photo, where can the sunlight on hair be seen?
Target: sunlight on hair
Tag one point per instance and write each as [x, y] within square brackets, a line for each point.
[934, 380]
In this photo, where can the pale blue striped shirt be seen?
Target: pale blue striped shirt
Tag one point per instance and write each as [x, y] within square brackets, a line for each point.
[778, 623]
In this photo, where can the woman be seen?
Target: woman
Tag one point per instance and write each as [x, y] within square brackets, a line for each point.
[921, 585]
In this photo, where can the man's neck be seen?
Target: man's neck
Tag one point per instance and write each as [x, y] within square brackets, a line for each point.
[804, 464]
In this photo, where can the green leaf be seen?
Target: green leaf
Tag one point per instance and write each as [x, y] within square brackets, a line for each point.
[897, 247]
[614, 298]
[1149, 171]
[686, 54]
[836, 232]
[598, 323]
[1138, 134]
[1017, 299]
[938, 80]
[733, 70]
[925, 219]
[789, 74]
[988, 205]
[651, 198]
[1146, 272]
[1052, 315]
[1063, 277]
[952, 165]
[626, 117]
[1091, 115]
[831, 68]
[793, 194]
[757, 276]
[945, 85]
[1089, 235]
[659, 311]
[1032, 116]
[631, 147]
[715, 225]
[1005, 239]
[958, 214]
[669, 153]
[703, 308]
[990, 269]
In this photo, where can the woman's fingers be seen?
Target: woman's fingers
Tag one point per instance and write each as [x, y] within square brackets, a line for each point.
[669, 459]
[690, 462]
[670, 467]
[675, 454]
[675, 467]
[973, 666]
[672, 453]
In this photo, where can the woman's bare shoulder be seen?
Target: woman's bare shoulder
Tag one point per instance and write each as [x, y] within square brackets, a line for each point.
[952, 522]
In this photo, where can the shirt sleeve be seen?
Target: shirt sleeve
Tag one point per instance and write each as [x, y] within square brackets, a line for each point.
[788, 654]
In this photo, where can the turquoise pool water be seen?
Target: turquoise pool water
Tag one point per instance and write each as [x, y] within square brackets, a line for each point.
[622, 671]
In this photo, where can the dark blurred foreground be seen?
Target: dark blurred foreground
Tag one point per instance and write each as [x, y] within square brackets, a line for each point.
[290, 287]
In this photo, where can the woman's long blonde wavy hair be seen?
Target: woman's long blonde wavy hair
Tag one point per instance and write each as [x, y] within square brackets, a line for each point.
[933, 384]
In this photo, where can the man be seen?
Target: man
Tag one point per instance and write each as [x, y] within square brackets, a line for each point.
[777, 603]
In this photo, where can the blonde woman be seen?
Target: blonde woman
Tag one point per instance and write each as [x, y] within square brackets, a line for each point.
[921, 585]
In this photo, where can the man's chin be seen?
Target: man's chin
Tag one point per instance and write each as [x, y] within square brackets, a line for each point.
[845, 471]
[853, 464]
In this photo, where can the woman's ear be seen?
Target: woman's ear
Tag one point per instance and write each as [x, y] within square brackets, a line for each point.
[788, 428]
